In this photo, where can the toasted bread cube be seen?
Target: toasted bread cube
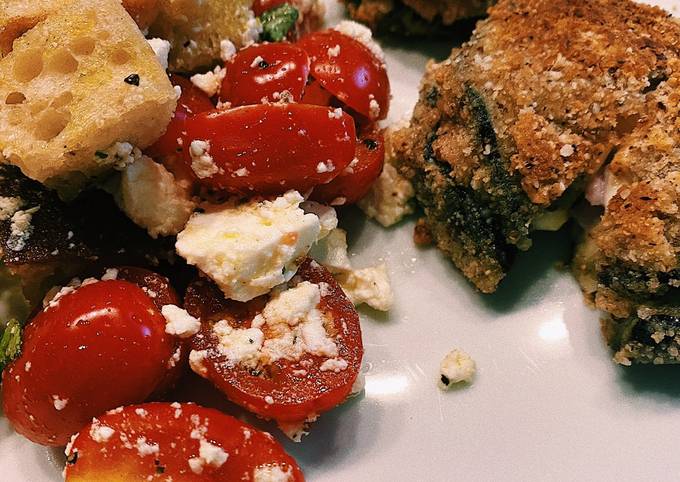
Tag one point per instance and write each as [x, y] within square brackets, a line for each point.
[81, 80]
[195, 29]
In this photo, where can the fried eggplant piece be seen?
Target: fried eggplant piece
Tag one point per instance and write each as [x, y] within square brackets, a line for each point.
[45, 241]
[509, 129]
[416, 17]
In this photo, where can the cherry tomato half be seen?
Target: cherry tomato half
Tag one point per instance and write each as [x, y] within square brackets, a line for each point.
[271, 148]
[355, 181]
[285, 390]
[169, 146]
[98, 347]
[181, 442]
[265, 72]
[350, 71]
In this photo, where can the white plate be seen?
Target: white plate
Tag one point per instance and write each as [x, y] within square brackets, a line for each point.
[547, 403]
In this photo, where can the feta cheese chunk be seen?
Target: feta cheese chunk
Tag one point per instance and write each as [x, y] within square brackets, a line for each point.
[457, 366]
[150, 196]
[388, 201]
[272, 473]
[368, 285]
[331, 252]
[179, 323]
[161, 48]
[250, 248]
[211, 81]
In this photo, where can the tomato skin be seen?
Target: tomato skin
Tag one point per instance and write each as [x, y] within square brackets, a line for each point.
[355, 75]
[100, 347]
[294, 396]
[156, 286]
[176, 430]
[261, 71]
[277, 147]
[167, 148]
[354, 183]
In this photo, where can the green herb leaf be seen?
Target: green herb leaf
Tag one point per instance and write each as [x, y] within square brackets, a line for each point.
[10, 343]
[277, 22]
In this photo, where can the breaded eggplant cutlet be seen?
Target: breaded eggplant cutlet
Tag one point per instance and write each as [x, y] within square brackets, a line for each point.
[415, 17]
[510, 130]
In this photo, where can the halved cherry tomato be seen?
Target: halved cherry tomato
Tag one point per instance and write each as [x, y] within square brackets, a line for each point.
[316, 95]
[181, 442]
[98, 347]
[268, 72]
[355, 181]
[169, 146]
[272, 148]
[261, 6]
[285, 390]
[350, 71]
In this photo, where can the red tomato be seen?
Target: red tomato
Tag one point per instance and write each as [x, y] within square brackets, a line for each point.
[355, 181]
[317, 95]
[285, 390]
[272, 148]
[192, 101]
[350, 71]
[265, 71]
[99, 347]
[261, 6]
[181, 442]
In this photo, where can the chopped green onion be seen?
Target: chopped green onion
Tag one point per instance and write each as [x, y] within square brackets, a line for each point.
[277, 22]
[10, 343]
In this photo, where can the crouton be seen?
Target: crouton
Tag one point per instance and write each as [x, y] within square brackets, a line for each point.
[79, 81]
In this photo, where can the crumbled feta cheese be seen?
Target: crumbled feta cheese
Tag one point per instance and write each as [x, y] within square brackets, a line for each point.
[152, 199]
[100, 433]
[179, 323]
[333, 365]
[362, 34]
[331, 252]
[197, 362]
[110, 274]
[212, 455]
[59, 403]
[335, 113]
[373, 109]
[227, 50]
[27, 366]
[252, 32]
[256, 61]
[324, 167]
[21, 228]
[202, 162]
[145, 448]
[294, 324]
[8, 206]
[388, 201]
[272, 473]
[456, 367]
[161, 48]
[368, 285]
[567, 150]
[269, 400]
[250, 248]
[210, 82]
[119, 155]
[141, 412]
[242, 172]
[334, 51]
[328, 218]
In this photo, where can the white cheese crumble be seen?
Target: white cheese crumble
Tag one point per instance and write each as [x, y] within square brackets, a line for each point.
[21, 228]
[331, 252]
[252, 32]
[161, 48]
[208, 454]
[368, 285]
[457, 366]
[242, 172]
[388, 201]
[119, 155]
[334, 365]
[335, 113]
[59, 403]
[328, 218]
[100, 433]
[324, 167]
[110, 274]
[197, 362]
[202, 162]
[373, 109]
[227, 50]
[334, 51]
[249, 248]
[269, 400]
[211, 81]
[256, 61]
[152, 199]
[272, 473]
[145, 448]
[179, 323]
[362, 34]
[294, 326]
[8, 206]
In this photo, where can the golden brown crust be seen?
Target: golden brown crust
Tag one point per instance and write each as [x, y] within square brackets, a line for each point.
[534, 104]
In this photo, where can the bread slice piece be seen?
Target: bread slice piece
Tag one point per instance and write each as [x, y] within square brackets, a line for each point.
[77, 82]
[195, 29]
[507, 131]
